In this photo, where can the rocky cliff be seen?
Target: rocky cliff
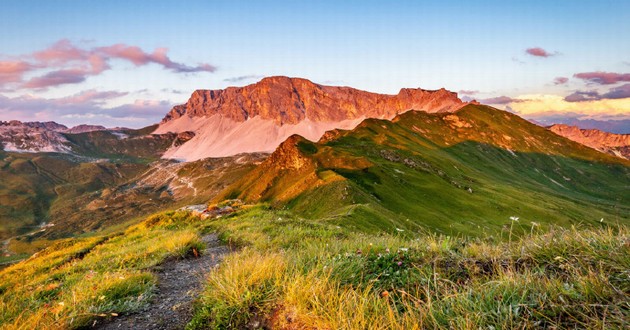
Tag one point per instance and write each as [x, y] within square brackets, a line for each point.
[258, 117]
[292, 100]
[616, 144]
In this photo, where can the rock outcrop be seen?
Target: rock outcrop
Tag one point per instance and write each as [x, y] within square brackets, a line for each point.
[615, 144]
[258, 117]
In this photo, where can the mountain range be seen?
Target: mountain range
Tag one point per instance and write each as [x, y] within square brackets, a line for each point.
[320, 150]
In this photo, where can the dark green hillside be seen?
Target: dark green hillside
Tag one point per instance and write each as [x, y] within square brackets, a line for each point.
[125, 145]
[467, 172]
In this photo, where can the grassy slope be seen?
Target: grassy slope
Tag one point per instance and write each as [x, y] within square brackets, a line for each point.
[417, 174]
[294, 273]
[32, 184]
[74, 281]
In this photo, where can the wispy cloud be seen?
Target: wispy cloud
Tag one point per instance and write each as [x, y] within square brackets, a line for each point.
[538, 106]
[500, 100]
[539, 52]
[560, 80]
[85, 107]
[65, 63]
[620, 92]
[242, 78]
[603, 78]
[468, 92]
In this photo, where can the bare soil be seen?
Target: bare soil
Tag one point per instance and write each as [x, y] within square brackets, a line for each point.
[179, 283]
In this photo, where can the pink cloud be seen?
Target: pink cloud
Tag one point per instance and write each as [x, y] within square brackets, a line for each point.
[65, 63]
[620, 92]
[84, 107]
[500, 100]
[539, 52]
[60, 52]
[90, 97]
[56, 78]
[12, 71]
[159, 56]
[560, 80]
[603, 78]
[467, 92]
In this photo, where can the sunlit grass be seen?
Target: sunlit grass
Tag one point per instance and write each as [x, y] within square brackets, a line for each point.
[76, 281]
[295, 274]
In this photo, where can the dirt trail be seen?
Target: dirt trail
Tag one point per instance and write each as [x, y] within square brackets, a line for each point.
[179, 282]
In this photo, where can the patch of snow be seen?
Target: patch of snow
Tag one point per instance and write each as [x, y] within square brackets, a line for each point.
[120, 135]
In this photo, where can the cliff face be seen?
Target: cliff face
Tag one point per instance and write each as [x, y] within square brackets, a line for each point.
[291, 100]
[258, 117]
[616, 144]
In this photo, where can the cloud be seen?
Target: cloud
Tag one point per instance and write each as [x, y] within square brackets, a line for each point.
[620, 92]
[56, 78]
[65, 63]
[560, 80]
[603, 78]
[86, 107]
[500, 100]
[581, 96]
[535, 106]
[139, 57]
[90, 96]
[242, 78]
[468, 92]
[12, 71]
[539, 52]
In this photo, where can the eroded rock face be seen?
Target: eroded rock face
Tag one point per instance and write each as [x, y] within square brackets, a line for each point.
[616, 144]
[33, 137]
[291, 100]
[258, 117]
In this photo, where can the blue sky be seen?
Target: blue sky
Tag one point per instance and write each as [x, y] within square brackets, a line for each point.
[379, 46]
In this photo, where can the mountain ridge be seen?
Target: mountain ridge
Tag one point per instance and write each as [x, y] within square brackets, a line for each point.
[614, 144]
[258, 117]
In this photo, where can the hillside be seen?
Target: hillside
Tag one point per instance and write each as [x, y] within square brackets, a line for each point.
[465, 172]
[258, 117]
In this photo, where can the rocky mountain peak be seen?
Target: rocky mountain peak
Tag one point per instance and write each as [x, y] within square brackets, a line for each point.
[616, 144]
[291, 100]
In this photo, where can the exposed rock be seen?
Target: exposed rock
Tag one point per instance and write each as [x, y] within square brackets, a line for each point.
[258, 117]
[615, 144]
[84, 128]
[291, 100]
[33, 137]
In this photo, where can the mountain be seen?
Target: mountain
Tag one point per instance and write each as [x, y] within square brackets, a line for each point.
[615, 144]
[87, 140]
[33, 137]
[464, 172]
[258, 117]
[84, 129]
[619, 126]
[48, 175]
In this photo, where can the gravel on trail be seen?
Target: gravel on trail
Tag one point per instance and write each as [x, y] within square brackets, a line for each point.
[179, 282]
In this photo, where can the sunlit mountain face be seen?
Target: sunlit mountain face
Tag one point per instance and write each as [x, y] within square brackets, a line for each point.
[314, 165]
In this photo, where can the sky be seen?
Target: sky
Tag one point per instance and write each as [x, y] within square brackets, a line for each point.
[126, 63]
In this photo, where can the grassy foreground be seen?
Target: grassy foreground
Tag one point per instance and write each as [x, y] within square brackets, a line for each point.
[298, 274]
[291, 273]
[76, 281]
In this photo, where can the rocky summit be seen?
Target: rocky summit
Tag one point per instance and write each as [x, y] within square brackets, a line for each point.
[258, 117]
[615, 144]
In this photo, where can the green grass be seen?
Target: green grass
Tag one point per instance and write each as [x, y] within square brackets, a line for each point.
[294, 273]
[75, 281]
[464, 173]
